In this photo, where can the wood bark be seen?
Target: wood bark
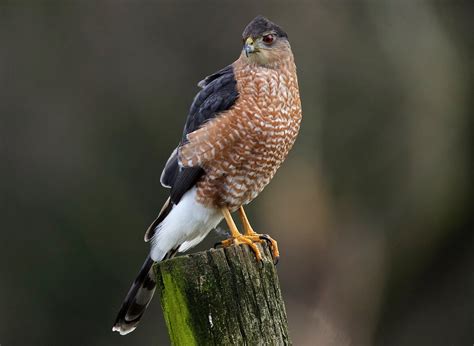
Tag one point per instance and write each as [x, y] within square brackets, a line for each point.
[222, 297]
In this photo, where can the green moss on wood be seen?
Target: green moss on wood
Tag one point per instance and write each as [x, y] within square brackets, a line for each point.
[222, 297]
[175, 310]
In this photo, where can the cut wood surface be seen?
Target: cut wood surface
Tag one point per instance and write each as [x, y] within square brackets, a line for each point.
[222, 296]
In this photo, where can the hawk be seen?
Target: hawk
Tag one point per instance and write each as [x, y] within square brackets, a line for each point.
[240, 128]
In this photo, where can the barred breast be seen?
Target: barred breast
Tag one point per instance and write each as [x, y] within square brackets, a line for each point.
[241, 149]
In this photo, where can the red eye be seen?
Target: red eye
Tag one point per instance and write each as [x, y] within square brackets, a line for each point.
[268, 38]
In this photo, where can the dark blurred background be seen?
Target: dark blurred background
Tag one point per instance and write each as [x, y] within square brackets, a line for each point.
[372, 210]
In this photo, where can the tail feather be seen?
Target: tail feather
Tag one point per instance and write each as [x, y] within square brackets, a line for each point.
[137, 300]
[187, 223]
[165, 210]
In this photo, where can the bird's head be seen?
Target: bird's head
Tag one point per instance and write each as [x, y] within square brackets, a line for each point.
[265, 43]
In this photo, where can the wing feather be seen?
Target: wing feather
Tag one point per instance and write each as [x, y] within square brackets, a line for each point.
[171, 170]
[218, 94]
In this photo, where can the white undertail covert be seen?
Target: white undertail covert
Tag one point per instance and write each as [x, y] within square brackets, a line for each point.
[185, 226]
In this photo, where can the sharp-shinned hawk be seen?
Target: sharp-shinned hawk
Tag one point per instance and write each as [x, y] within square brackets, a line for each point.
[240, 128]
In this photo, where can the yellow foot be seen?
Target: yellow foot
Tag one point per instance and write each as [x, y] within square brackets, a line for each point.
[273, 246]
[250, 237]
[252, 240]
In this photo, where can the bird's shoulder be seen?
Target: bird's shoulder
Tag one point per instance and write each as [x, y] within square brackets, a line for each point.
[225, 72]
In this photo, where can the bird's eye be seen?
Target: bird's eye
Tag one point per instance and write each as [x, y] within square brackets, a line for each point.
[268, 38]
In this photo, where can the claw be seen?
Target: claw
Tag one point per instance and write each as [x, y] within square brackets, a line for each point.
[273, 247]
[267, 238]
[250, 237]
[242, 239]
[252, 240]
[276, 260]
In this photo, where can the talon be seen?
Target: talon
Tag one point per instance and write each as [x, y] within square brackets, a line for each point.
[224, 243]
[267, 238]
[276, 260]
[273, 247]
[251, 238]
[242, 239]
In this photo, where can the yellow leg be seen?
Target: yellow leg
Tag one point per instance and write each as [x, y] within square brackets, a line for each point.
[245, 222]
[236, 237]
[255, 237]
[230, 222]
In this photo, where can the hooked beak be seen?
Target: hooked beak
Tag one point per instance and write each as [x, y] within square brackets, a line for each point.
[249, 46]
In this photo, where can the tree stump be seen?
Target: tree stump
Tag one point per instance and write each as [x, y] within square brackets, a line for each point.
[222, 296]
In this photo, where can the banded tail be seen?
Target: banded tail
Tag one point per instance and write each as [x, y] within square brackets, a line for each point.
[137, 300]
[178, 228]
[143, 288]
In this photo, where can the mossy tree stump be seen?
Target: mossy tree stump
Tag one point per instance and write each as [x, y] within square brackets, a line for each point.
[222, 296]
